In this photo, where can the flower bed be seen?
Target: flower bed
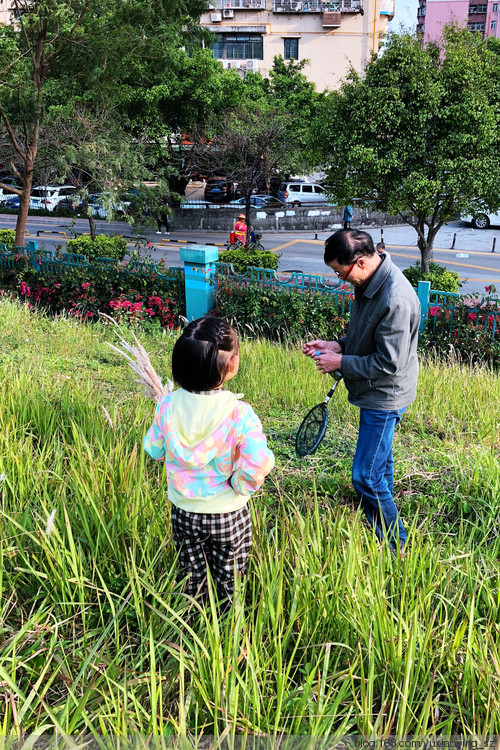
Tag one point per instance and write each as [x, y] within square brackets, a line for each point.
[139, 298]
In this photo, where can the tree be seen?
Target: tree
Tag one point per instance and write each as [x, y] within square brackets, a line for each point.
[251, 145]
[418, 134]
[117, 56]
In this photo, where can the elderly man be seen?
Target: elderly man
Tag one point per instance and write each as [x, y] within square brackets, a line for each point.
[378, 359]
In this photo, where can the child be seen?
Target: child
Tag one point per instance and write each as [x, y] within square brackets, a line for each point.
[216, 456]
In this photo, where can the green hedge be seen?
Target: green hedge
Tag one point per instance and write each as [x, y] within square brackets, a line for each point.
[104, 246]
[281, 314]
[8, 238]
[241, 258]
[440, 277]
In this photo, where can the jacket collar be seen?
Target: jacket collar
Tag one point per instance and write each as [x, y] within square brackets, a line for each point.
[379, 277]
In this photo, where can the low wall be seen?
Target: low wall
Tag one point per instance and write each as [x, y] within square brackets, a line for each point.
[312, 218]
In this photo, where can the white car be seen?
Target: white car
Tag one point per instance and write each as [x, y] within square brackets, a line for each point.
[48, 196]
[481, 219]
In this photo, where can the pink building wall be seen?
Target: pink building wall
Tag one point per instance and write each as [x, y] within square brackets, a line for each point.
[440, 12]
[493, 19]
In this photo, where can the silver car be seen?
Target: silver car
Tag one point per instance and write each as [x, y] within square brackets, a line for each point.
[302, 193]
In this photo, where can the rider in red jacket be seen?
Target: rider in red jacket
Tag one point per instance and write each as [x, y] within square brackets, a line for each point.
[240, 229]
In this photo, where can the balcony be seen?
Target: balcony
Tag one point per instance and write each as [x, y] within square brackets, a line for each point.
[317, 6]
[239, 4]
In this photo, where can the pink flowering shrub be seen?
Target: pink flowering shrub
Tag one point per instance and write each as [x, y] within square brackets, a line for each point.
[141, 299]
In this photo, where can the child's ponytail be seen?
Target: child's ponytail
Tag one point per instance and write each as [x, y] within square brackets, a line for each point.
[202, 354]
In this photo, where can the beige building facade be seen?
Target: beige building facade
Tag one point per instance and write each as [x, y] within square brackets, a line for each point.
[333, 36]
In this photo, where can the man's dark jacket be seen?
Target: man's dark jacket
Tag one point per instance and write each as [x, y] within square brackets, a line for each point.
[379, 363]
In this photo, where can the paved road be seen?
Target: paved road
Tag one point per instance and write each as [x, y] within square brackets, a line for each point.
[471, 256]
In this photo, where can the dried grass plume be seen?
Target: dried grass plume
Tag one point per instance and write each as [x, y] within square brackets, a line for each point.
[139, 361]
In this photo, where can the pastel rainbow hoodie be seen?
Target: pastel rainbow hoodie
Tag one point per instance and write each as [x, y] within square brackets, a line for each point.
[215, 452]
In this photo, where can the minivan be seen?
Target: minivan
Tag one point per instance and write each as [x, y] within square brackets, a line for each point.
[298, 193]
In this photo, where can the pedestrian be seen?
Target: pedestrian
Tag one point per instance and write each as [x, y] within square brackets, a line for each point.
[215, 454]
[347, 217]
[162, 216]
[240, 229]
[380, 247]
[378, 360]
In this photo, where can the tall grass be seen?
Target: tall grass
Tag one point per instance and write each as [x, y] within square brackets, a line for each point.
[329, 633]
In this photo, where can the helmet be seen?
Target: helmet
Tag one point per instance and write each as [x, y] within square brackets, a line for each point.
[242, 216]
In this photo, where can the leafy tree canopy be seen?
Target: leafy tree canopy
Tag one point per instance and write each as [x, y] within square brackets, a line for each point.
[417, 133]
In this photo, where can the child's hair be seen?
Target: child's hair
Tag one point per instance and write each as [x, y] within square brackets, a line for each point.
[201, 356]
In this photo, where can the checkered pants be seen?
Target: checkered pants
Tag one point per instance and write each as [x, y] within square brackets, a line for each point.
[217, 540]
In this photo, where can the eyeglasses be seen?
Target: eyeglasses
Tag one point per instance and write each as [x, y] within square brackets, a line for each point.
[344, 275]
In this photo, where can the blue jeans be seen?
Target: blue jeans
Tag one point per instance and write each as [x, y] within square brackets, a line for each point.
[373, 472]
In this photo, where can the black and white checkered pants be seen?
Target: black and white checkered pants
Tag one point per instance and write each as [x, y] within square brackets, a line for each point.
[220, 541]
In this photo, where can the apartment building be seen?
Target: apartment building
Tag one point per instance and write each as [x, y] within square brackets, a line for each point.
[482, 17]
[4, 12]
[331, 35]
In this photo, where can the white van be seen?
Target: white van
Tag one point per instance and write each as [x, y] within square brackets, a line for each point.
[299, 193]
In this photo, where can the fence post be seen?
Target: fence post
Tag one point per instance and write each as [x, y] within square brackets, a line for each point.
[199, 271]
[424, 295]
[33, 248]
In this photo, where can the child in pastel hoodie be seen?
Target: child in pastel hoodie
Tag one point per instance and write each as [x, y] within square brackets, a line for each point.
[215, 454]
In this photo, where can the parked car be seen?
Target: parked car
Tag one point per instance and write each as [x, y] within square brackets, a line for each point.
[12, 202]
[482, 220]
[218, 190]
[4, 194]
[298, 193]
[259, 201]
[48, 196]
[102, 207]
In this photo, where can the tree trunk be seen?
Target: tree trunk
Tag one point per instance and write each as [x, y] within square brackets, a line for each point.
[92, 227]
[247, 220]
[425, 244]
[425, 254]
[24, 204]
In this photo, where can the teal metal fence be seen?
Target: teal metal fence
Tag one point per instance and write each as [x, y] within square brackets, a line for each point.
[290, 282]
[46, 262]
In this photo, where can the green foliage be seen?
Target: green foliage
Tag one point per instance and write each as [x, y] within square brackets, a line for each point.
[440, 277]
[418, 132]
[282, 314]
[7, 238]
[138, 297]
[469, 327]
[103, 246]
[92, 596]
[243, 257]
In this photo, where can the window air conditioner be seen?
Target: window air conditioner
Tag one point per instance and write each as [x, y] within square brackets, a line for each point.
[228, 13]
[216, 17]
[251, 65]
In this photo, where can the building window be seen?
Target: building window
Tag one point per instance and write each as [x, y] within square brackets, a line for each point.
[495, 7]
[477, 26]
[238, 47]
[291, 49]
[475, 9]
[493, 24]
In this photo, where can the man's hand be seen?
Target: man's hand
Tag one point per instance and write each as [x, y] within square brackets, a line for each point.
[328, 361]
[312, 347]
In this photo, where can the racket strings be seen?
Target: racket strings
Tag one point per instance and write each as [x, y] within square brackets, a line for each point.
[311, 431]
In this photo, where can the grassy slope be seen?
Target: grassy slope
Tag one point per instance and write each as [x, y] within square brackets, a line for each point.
[330, 634]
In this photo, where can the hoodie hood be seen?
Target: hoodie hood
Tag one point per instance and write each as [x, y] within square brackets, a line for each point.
[196, 416]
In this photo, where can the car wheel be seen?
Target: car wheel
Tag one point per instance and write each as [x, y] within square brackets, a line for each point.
[296, 204]
[480, 221]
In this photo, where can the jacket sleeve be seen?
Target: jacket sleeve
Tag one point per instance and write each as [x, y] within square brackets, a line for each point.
[392, 340]
[154, 442]
[254, 460]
